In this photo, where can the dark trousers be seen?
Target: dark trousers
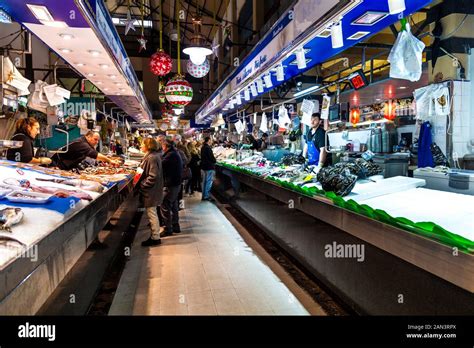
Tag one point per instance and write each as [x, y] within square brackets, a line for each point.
[170, 207]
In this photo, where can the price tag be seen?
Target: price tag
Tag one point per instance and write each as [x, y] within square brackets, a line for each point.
[307, 107]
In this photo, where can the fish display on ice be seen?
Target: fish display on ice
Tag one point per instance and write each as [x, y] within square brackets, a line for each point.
[87, 185]
[10, 217]
[5, 239]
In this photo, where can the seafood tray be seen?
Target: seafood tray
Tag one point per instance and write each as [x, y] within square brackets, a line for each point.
[28, 197]
[11, 144]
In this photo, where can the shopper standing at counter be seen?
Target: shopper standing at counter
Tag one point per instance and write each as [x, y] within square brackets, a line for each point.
[150, 188]
[26, 131]
[315, 146]
[208, 166]
[172, 172]
[79, 150]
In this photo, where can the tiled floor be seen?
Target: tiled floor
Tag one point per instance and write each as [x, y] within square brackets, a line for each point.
[208, 269]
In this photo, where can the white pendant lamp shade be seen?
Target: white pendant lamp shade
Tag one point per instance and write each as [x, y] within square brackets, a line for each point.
[198, 49]
[280, 73]
[253, 89]
[197, 55]
[300, 58]
[238, 99]
[337, 39]
[259, 85]
[268, 80]
[220, 120]
[246, 94]
[396, 6]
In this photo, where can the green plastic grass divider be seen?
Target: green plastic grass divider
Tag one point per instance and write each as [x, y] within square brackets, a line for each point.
[426, 228]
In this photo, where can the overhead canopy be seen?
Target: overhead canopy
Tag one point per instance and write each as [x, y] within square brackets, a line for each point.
[82, 33]
[307, 24]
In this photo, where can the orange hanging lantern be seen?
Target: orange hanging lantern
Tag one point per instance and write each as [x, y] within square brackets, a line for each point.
[389, 111]
[355, 116]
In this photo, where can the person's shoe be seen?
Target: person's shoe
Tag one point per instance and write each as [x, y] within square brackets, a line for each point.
[177, 229]
[151, 242]
[166, 234]
[97, 245]
[212, 200]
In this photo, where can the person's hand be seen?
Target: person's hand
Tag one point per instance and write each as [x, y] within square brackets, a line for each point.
[318, 168]
[45, 161]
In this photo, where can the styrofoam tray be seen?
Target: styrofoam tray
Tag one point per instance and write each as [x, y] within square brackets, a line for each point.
[36, 198]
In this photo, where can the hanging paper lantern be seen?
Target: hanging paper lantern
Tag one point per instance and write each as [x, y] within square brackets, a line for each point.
[389, 110]
[161, 63]
[355, 116]
[178, 92]
[198, 71]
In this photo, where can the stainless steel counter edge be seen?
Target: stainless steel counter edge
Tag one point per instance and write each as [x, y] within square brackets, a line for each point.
[425, 253]
[82, 225]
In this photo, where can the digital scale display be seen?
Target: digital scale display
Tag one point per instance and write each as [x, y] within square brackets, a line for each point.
[358, 80]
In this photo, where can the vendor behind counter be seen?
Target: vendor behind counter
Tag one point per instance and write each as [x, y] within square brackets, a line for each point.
[78, 150]
[27, 129]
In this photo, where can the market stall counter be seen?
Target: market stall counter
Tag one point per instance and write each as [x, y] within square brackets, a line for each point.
[417, 243]
[48, 218]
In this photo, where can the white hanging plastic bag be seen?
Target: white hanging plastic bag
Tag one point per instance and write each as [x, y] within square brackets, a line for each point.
[406, 56]
[264, 123]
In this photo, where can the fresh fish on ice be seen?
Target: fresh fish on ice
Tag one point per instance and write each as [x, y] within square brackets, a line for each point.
[10, 217]
[6, 239]
[83, 184]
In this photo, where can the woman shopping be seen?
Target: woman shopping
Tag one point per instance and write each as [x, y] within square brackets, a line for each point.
[150, 188]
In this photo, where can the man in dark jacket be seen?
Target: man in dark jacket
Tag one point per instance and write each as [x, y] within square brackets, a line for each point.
[172, 172]
[208, 166]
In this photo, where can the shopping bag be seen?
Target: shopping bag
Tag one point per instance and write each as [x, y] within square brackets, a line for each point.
[38, 100]
[406, 56]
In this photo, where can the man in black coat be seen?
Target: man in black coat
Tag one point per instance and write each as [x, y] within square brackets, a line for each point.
[172, 172]
[208, 166]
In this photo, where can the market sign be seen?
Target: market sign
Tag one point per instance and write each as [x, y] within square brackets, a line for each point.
[293, 23]
[304, 26]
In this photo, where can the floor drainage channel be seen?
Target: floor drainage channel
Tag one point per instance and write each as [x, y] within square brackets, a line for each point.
[103, 299]
[330, 303]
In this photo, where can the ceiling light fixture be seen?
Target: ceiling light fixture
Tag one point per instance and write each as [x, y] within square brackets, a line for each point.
[41, 13]
[80, 64]
[306, 91]
[300, 58]
[113, 77]
[104, 66]
[90, 74]
[396, 6]
[198, 49]
[65, 50]
[66, 36]
[238, 99]
[94, 52]
[337, 39]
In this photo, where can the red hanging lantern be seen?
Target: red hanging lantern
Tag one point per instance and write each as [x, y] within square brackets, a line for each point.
[389, 110]
[161, 63]
[355, 116]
